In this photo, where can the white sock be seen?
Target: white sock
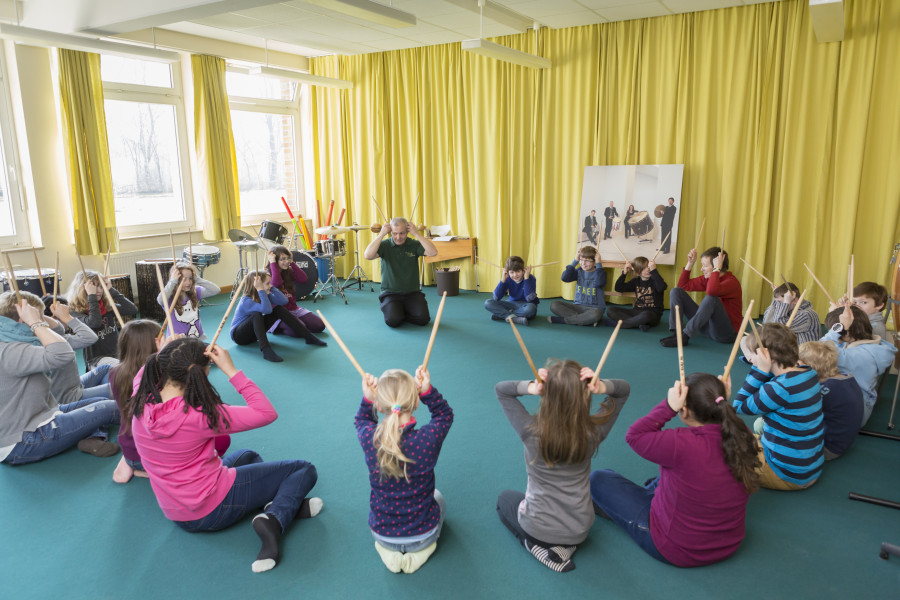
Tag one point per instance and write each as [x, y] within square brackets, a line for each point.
[391, 558]
[413, 560]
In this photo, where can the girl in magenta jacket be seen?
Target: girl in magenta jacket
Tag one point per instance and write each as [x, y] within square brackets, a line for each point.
[176, 416]
[692, 514]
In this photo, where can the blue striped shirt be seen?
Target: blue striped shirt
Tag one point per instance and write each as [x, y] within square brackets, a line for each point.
[793, 425]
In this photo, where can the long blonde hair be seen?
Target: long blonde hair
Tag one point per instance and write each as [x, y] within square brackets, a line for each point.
[76, 295]
[564, 423]
[396, 395]
[191, 294]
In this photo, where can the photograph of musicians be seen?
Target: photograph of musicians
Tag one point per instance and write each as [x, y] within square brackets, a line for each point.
[665, 226]
[628, 214]
[610, 214]
[401, 297]
[590, 227]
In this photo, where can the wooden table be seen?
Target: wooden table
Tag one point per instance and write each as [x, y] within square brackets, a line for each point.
[458, 248]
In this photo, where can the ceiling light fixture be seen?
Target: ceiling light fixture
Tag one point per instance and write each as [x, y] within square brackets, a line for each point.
[299, 77]
[369, 11]
[506, 54]
[497, 13]
[51, 39]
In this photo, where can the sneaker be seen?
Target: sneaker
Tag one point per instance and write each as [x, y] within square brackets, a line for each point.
[520, 320]
[98, 447]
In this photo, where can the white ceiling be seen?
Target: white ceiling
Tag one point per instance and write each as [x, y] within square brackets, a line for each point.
[303, 28]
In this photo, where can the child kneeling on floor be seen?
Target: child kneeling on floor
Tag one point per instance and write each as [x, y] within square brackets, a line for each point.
[406, 512]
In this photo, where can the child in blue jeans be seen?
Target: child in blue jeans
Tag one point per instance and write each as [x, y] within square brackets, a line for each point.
[521, 286]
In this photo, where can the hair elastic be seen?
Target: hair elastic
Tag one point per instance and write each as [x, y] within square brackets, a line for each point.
[719, 399]
[395, 409]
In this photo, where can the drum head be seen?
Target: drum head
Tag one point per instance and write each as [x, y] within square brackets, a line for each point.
[307, 264]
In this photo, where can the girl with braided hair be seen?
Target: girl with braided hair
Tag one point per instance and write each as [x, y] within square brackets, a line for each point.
[406, 512]
[692, 513]
[177, 414]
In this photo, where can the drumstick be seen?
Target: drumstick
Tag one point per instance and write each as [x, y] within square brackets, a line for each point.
[722, 247]
[756, 334]
[766, 279]
[237, 294]
[56, 279]
[40, 275]
[702, 225]
[555, 262]
[822, 287]
[381, 212]
[783, 280]
[162, 291]
[625, 258]
[796, 308]
[661, 244]
[737, 341]
[80, 262]
[524, 349]
[609, 344]
[489, 262]
[680, 344]
[340, 342]
[437, 321]
[13, 284]
[341, 217]
[850, 281]
[415, 205]
[106, 262]
[190, 248]
[111, 302]
[172, 242]
[266, 248]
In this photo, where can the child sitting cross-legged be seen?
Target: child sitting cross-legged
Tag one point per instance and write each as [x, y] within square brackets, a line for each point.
[842, 399]
[518, 281]
[788, 398]
[648, 287]
[589, 302]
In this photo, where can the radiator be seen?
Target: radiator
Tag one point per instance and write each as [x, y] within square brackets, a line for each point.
[123, 262]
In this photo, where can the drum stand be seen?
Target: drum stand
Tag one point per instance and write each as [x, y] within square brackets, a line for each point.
[332, 282]
[242, 270]
[358, 271]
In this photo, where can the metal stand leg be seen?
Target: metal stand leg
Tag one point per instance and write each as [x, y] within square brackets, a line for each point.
[332, 282]
[242, 270]
[358, 271]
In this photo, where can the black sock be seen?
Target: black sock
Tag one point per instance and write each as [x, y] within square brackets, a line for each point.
[269, 531]
[270, 355]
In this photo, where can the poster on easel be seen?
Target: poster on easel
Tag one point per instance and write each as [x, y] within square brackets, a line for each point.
[634, 207]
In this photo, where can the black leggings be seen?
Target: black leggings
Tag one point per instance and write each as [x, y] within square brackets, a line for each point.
[508, 511]
[254, 328]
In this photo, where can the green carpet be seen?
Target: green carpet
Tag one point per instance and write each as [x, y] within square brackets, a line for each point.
[71, 532]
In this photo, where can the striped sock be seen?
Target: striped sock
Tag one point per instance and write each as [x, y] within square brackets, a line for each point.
[543, 556]
[563, 553]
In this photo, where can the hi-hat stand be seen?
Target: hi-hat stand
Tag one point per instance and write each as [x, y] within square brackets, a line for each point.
[357, 270]
[331, 283]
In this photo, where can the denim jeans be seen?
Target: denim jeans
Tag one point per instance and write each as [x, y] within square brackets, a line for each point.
[709, 318]
[96, 383]
[79, 420]
[628, 505]
[415, 543]
[283, 483]
[505, 308]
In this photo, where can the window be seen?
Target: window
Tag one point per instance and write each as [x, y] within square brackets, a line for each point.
[13, 218]
[148, 153]
[264, 118]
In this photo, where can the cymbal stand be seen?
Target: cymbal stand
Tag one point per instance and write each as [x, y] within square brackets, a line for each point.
[242, 270]
[332, 282]
[357, 270]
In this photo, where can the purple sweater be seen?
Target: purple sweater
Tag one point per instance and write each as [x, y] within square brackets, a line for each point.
[400, 507]
[697, 513]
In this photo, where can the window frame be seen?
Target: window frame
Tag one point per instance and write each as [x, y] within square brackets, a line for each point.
[13, 166]
[280, 107]
[172, 96]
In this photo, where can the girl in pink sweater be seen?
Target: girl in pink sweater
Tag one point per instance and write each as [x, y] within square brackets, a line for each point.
[692, 514]
[176, 416]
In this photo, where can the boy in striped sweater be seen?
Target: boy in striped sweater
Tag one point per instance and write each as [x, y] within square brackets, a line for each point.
[788, 399]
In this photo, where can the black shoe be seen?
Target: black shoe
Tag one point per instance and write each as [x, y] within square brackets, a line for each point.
[669, 342]
[607, 322]
[644, 328]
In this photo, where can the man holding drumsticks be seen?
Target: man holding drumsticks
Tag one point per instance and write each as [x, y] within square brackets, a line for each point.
[401, 298]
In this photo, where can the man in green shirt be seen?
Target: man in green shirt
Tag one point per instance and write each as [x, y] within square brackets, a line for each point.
[401, 298]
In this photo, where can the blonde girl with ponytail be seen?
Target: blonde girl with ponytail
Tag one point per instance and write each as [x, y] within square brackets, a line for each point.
[406, 512]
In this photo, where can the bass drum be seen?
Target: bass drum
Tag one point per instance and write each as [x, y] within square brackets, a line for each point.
[307, 264]
[640, 223]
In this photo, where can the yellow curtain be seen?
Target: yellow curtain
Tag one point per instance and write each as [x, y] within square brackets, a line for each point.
[84, 127]
[787, 143]
[216, 160]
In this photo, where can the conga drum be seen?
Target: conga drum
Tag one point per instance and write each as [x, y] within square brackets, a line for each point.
[148, 286]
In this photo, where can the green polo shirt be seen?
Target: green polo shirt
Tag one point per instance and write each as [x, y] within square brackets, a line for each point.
[400, 265]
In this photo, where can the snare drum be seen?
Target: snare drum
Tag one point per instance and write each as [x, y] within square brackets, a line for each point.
[202, 256]
[273, 231]
[331, 248]
[307, 264]
[148, 286]
[616, 224]
[28, 280]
